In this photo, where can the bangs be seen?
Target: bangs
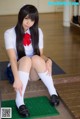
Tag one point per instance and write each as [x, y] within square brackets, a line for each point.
[32, 16]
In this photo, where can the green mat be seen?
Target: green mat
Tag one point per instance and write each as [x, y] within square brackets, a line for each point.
[37, 106]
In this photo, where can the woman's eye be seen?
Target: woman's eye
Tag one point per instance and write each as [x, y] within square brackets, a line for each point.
[26, 18]
[32, 20]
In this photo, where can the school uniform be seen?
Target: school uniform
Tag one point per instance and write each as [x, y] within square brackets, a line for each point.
[10, 43]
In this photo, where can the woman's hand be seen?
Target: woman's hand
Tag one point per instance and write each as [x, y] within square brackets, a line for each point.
[49, 66]
[18, 86]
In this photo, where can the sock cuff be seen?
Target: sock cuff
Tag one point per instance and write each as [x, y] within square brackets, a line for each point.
[44, 73]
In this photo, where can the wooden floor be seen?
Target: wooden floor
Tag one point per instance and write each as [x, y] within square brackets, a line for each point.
[62, 44]
[70, 94]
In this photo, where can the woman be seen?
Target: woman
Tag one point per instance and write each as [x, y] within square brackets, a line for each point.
[24, 45]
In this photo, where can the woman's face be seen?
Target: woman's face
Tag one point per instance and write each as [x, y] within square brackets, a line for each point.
[27, 23]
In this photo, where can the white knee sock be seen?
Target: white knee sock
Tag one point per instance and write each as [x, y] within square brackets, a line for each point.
[24, 77]
[48, 81]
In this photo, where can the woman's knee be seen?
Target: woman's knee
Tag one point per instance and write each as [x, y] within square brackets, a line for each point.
[24, 63]
[37, 61]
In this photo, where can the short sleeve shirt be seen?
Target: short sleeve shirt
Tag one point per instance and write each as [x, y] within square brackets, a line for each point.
[10, 41]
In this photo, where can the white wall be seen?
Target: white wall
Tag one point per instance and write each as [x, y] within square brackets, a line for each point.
[8, 7]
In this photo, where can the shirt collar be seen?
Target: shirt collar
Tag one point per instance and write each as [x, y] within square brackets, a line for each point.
[28, 31]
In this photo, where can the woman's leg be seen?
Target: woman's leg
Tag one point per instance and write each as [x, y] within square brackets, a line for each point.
[24, 65]
[33, 75]
[40, 66]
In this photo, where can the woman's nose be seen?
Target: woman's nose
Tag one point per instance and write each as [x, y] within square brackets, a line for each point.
[28, 21]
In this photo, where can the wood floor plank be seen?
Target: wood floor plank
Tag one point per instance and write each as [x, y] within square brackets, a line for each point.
[70, 94]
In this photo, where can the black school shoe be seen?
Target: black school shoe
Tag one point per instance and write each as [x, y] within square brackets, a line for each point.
[54, 100]
[23, 111]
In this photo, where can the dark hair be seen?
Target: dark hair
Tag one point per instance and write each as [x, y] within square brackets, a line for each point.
[32, 12]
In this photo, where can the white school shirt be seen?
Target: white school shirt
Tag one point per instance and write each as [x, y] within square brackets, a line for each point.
[10, 41]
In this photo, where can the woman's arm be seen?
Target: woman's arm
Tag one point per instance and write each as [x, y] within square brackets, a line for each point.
[13, 61]
[14, 66]
[42, 55]
[48, 61]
